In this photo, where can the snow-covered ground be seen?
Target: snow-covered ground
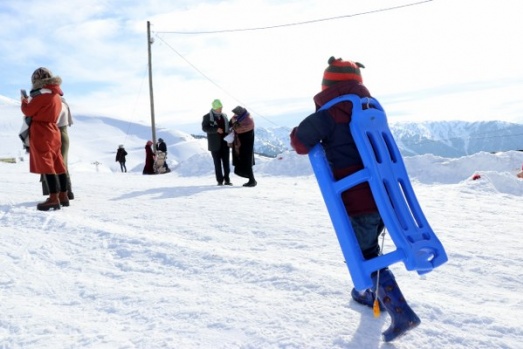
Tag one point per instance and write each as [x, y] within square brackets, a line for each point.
[174, 261]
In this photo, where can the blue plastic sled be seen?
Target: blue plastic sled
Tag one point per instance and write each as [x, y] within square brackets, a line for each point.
[416, 244]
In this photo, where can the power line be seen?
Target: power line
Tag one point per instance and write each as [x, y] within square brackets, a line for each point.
[265, 28]
[211, 80]
[188, 62]
[297, 23]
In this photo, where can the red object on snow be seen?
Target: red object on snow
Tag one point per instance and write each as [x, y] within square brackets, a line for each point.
[475, 177]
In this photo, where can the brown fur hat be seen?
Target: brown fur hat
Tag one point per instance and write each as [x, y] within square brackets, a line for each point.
[43, 76]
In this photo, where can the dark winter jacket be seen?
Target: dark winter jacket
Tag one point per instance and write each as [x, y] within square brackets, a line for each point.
[211, 122]
[161, 146]
[331, 129]
[120, 155]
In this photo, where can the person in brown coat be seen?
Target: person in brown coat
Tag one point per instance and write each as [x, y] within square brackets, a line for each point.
[42, 110]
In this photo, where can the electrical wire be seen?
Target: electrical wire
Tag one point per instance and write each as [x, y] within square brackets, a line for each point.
[211, 80]
[156, 33]
[297, 23]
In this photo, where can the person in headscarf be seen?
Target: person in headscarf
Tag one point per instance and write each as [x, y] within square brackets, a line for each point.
[149, 159]
[243, 145]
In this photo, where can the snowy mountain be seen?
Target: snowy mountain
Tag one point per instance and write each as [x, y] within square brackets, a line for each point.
[441, 138]
[457, 138]
[449, 139]
[272, 141]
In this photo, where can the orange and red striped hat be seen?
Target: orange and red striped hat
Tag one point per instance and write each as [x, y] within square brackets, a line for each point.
[340, 70]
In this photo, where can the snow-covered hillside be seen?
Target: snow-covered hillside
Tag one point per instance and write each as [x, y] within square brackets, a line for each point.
[174, 261]
[449, 139]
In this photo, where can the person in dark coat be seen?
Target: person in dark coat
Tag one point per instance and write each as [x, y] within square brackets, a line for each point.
[243, 145]
[43, 109]
[149, 159]
[161, 146]
[331, 129]
[216, 125]
[121, 153]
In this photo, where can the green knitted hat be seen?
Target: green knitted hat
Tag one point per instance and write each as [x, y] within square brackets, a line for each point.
[216, 104]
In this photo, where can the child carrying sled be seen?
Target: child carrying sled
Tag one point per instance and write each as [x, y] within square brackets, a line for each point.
[330, 128]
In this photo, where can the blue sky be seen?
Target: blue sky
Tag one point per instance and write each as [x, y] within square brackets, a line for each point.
[433, 60]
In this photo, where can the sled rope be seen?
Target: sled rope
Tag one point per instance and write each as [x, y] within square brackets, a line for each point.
[376, 305]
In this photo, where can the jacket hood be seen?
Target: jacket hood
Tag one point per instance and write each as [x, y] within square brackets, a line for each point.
[55, 80]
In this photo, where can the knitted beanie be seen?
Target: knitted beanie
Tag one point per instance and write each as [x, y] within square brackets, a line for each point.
[216, 104]
[339, 70]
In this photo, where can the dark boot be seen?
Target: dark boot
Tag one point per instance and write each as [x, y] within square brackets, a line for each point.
[51, 202]
[402, 317]
[365, 297]
[63, 198]
[250, 183]
[70, 194]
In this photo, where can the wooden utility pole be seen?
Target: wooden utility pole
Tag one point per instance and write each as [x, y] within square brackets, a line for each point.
[149, 43]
